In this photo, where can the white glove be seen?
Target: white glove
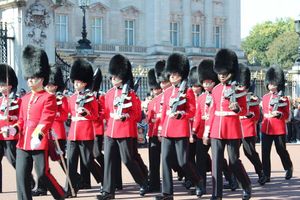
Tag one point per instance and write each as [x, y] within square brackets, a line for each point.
[35, 143]
[8, 130]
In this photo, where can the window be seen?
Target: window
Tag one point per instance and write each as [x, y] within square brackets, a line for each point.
[174, 33]
[196, 35]
[97, 30]
[61, 28]
[129, 32]
[218, 36]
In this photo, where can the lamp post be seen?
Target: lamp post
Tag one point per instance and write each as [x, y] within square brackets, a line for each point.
[84, 43]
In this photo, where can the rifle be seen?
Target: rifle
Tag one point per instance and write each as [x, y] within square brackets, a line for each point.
[178, 100]
[230, 93]
[84, 97]
[120, 101]
[137, 84]
[276, 102]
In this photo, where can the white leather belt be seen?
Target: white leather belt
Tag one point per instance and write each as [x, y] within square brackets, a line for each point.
[225, 113]
[74, 118]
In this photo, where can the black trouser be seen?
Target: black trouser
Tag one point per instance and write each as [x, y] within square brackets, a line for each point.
[202, 159]
[217, 148]
[98, 144]
[280, 145]
[154, 147]
[84, 149]
[180, 148]
[251, 153]
[8, 149]
[138, 158]
[126, 150]
[24, 165]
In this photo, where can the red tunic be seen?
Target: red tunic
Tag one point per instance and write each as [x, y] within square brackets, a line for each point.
[98, 123]
[176, 128]
[61, 116]
[274, 126]
[249, 124]
[224, 123]
[118, 128]
[37, 113]
[13, 112]
[82, 126]
[154, 115]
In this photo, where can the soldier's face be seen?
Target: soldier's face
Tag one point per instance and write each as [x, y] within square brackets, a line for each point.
[196, 89]
[175, 78]
[5, 89]
[272, 87]
[35, 83]
[165, 84]
[156, 91]
[51, 88]
[116, 81]
[79, 85]
[208, 85]
[223, 78]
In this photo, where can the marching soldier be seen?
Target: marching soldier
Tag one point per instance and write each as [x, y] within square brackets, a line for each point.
[275, 107]
[154, 146]
[9, 112]
[224, 123]
[37, 114]
[84, 110]
[178, 108]
[249, 122]
[122, 111]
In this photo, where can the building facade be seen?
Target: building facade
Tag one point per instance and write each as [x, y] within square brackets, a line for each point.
[143, 30]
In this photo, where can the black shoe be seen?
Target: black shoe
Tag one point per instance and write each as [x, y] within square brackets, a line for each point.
[262, 179]
[188, 184]
[289, 173]
[247, 193]
[215, 198]
[268, 179]
[199, 189]
[164, 197]
[105, 196]
[68, 194]
[118, 188]
[39, 192]
[154, 189]
[144, 189]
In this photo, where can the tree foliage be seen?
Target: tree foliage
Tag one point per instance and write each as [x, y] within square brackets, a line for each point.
[257, 44]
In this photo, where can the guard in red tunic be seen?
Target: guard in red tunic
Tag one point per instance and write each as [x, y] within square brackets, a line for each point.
[178, 107]
[9, 112]
[276, 110]
[122, 111]
[154, 145]
[225, 127]
[37, 113]
[83, 108]
[249, 123]
[208, 79]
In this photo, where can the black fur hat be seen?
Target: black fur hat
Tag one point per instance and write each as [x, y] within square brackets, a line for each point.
[82, 70]
[160, 72]
[226, 61]
[12, 78]
[121, 67]
[97, 80]
[178, 63]
[206, 71]
[35, 63]
[152, 83]
[275, 75]
[245, 75]
[56, 78]
[193, 76]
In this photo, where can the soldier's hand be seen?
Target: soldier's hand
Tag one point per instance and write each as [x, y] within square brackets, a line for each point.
[276, 114]
[234, 106]
[8, 130]
[206, 141]
[82, 111]
[250, 115]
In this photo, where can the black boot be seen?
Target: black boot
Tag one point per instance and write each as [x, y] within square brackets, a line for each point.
[289, 173]
[164, 197]
[262, 179]
[233, 184]
[199, 189]
[144, 189]
[215, 198]
[105, 196]
[39, 192]
[247, 193]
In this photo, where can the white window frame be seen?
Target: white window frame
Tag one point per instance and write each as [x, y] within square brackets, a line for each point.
[129, 32]
[218, 36]
[196, 35]
[61, 26]
[174, 33]
[97, 30]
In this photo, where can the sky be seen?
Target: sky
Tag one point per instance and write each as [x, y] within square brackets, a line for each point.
[258, 11]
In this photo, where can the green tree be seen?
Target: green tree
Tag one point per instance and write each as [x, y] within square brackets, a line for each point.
[283, 50]
[261, 36]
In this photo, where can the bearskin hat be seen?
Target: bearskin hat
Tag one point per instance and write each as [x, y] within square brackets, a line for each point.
[275, 75]
[7, 71]
[226, 61]
[97, 80]
[193, 76]
[56, 78]
[160, 72]
[82, 70]
[178, 63]
[206, 71]
[152, 83]
[35, 63]
[245, 75]
[121, 67]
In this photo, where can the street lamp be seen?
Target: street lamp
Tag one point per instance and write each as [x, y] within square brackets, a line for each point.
[297, 29]
[84, 43]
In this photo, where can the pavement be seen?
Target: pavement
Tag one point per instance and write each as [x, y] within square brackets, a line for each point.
[278, 188]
